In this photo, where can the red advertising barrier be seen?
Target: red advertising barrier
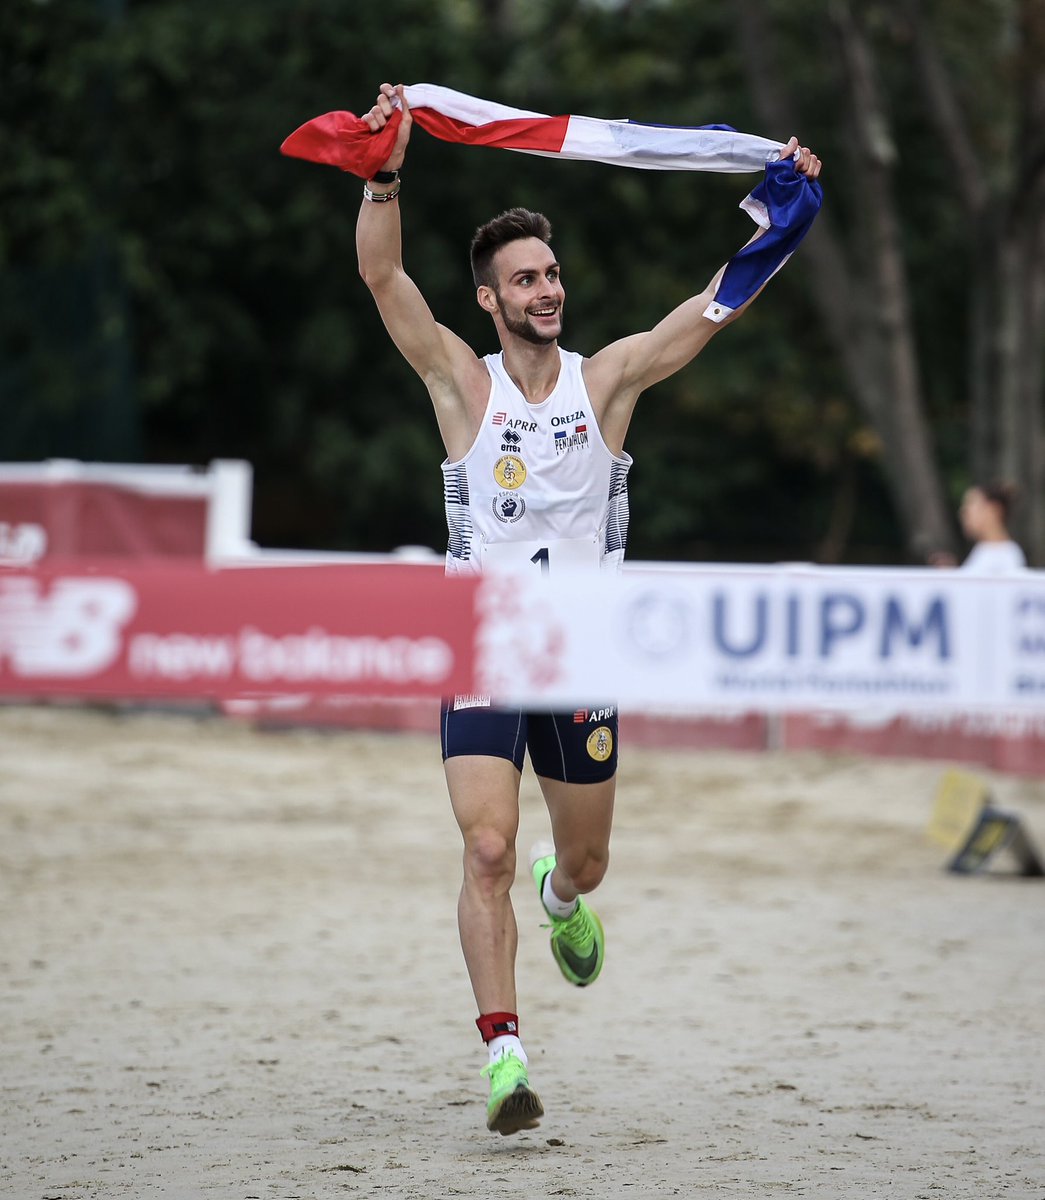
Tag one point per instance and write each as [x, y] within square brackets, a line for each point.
[383, 715]
[187, 630]
[98, 520]
[1011, 742]
[703, 731]
[706, 731]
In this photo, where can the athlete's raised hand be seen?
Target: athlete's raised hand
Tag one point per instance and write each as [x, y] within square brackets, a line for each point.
[806, 163]
[378, 117]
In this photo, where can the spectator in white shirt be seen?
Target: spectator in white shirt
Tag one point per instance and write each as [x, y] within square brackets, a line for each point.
[984, 516]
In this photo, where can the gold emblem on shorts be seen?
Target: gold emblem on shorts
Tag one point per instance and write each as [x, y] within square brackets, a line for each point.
[510, 472]
[600, 744]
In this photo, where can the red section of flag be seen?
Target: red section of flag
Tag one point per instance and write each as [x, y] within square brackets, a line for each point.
[581, 429]
[519, 133]
[341, 139]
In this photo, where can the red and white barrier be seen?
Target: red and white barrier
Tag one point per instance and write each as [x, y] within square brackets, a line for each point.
[922, 663]
[64, 509]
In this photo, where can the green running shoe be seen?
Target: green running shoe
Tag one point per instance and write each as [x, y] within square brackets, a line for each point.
[513, 1105]
[578, 942]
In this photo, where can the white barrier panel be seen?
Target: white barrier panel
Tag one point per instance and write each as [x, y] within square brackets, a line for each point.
[767, 639]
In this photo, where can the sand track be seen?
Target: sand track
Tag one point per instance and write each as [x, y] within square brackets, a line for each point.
[229, 966]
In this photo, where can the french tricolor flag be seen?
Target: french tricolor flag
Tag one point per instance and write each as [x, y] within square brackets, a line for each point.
[784, 204]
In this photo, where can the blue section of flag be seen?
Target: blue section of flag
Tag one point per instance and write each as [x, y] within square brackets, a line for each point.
[560, 434]
[792, 202]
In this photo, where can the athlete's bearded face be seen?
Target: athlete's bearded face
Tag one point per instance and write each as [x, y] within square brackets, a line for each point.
[529, 292]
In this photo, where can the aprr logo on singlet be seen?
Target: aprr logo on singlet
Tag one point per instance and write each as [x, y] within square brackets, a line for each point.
[510, 472]
[508, 507]
[74, 631]
[513, 423]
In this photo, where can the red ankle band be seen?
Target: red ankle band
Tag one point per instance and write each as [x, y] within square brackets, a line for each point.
[492, 1025]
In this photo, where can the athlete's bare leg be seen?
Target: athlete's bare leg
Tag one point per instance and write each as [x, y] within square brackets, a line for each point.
[484, 792]
[581, 816]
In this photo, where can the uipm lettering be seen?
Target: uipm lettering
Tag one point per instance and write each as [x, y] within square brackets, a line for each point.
[799, 626]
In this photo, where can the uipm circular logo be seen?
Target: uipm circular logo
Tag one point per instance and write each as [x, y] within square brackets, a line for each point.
[657, 625]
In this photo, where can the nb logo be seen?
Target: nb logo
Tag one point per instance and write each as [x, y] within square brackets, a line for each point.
[75, 630]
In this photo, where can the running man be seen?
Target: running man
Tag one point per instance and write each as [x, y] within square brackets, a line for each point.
[535, 471]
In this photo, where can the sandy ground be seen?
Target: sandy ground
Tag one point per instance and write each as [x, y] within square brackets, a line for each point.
[229, 967]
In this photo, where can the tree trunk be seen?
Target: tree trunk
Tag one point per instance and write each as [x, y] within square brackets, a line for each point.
[1007, 243]
[868, 319]
[1023, 265]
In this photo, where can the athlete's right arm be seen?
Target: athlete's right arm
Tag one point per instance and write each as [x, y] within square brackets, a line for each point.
[446, 364]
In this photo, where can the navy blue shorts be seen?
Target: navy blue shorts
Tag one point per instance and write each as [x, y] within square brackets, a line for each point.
[574, 747]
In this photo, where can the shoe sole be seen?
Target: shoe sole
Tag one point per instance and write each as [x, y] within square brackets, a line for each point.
[521, 1109]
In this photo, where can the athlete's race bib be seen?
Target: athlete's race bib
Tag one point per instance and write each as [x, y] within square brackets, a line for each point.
[545, 556]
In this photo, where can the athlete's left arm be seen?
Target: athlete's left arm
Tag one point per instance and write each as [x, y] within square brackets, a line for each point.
[617, 375]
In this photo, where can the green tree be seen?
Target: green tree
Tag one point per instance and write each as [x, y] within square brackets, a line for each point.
[171, 287]
[932, 291]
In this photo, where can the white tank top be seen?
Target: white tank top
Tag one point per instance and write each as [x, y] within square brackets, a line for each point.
[538, 484]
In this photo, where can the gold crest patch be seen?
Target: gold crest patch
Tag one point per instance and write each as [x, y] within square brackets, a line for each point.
[510, 472]
[600, 744]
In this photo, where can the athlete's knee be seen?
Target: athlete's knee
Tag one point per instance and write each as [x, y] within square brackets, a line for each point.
[489, 858]
[584, 866]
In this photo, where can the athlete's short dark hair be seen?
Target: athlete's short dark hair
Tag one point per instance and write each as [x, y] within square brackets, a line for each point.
[510, 226]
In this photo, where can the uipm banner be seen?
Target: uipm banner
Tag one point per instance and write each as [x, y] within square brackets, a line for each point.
[767, 639]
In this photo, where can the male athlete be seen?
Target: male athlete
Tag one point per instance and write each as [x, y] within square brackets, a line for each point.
[535, 470]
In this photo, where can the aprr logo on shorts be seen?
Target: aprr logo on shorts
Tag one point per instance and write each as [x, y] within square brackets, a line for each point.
[582, 716]
[600, 744]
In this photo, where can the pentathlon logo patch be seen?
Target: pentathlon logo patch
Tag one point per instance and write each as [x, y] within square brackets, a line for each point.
[510, 472]
[565, 441]
[600, 744]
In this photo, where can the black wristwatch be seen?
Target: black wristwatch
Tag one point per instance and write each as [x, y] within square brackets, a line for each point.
[385, 176]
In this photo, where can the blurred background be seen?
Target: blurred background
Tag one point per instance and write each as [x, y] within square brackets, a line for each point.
[173, 290]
